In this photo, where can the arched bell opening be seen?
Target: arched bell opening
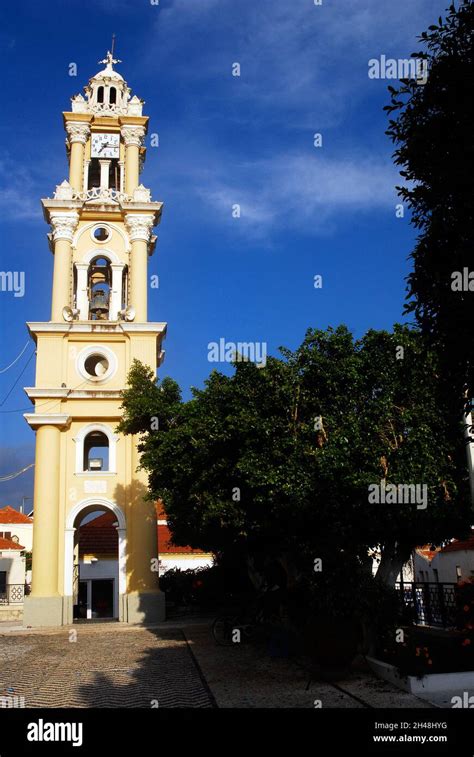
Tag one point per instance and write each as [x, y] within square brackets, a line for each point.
[99, 285]
[96, 443]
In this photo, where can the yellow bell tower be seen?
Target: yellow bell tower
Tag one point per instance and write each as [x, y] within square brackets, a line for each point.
[102, 222]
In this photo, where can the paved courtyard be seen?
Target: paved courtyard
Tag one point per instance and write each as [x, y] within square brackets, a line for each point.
[103, 667]
[113, 665]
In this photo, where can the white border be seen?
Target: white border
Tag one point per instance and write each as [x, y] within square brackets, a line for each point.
[105, 226]
[96, 349]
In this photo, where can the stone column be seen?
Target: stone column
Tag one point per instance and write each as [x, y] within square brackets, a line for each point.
[85, 181]
[104, 173]
[139, 227]
[133, 138]
[78, 133]
[82, 302]
[122, 175]
[64, 226]
[116, 293]
[44, 606]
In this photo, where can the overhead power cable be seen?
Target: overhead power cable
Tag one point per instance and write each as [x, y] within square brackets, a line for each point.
[4, 370]
[10, 476]
[17, 379]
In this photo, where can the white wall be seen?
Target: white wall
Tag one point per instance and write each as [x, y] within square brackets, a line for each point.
[100, 569]
[24, 531]
[445, 563]
[183, 562]
[14, 564]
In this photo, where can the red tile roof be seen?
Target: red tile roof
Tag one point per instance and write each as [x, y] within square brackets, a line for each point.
[9, 544]
[165, 543]
[427, 552]
[99, 536]
[9, 515]
[460, 545]
[166, 547]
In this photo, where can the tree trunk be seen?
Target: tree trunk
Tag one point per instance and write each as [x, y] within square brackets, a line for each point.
[392, 561]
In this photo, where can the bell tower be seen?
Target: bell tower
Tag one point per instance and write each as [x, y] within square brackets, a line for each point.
[102, 220]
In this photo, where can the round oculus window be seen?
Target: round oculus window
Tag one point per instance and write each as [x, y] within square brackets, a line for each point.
[96, 365]
[101, 234]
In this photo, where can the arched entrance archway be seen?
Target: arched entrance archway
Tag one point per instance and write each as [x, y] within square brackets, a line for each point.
[78, 513]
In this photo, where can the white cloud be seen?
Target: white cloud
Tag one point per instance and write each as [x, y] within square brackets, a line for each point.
[300, 190]
[19, 196]
[294, 55]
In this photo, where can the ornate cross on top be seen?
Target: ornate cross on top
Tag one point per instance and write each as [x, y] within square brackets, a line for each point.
[109, 59]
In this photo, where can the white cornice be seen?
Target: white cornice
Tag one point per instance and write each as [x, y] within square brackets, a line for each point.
[35, 420]
[97, 327]
[144, 328]
[64, 393]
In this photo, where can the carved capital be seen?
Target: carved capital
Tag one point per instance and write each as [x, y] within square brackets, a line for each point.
[78, 131]
[64, 225]
[139, 226]
[133, 135]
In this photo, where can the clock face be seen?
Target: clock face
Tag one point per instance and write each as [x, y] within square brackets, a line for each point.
[105, 146]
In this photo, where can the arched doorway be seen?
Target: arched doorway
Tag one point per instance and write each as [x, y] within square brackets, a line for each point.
[94, 564]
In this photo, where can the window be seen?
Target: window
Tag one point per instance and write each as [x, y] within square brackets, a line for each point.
[6, 534]
[113, 96]
[96, 365]
[100, 95]
[3, 581]
[101, 234]
[96, 452]
[436, 576]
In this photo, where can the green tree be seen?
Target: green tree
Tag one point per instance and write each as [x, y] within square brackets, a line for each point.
[431, 127]
[276, 461]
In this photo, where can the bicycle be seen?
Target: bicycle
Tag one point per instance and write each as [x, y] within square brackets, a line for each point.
[249, 623]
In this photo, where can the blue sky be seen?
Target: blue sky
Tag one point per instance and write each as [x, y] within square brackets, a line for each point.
[224, 140]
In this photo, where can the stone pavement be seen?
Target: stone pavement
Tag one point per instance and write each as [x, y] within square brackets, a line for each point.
[241, 676]
[179, 665]
[105, 666]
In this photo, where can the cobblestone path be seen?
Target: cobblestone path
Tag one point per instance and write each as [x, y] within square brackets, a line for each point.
[102, 668]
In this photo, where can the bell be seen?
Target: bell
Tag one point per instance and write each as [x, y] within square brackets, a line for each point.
[99, 305]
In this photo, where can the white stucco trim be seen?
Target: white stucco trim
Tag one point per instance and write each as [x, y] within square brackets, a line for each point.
[99, 252]
[79, 440]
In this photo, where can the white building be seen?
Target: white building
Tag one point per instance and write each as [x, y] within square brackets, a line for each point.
[16, 526]
[450, 564]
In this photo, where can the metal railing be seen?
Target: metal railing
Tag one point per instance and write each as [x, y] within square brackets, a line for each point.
[14, 594]
[429, 603]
